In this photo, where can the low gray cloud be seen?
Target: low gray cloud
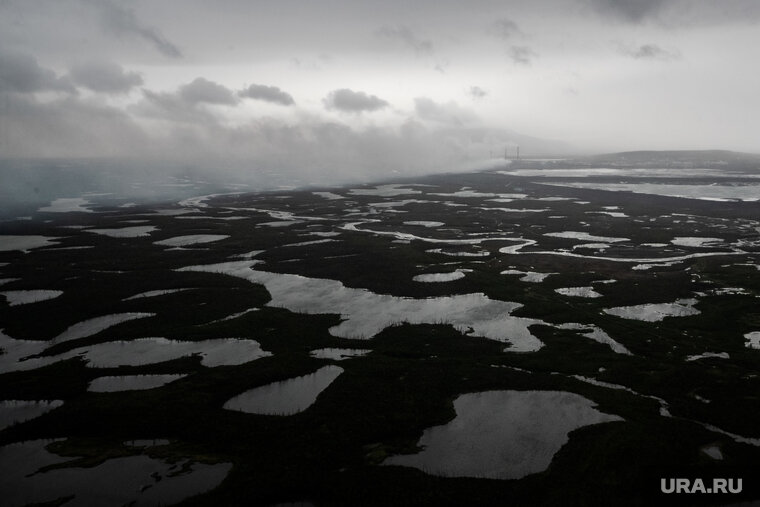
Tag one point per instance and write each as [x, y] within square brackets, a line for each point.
[449, 113]
[349, 101]
[203, 91]
[521, 55]
[504, 29]
[170, 107]
[21, 73]
[123, 21]
[104, 77]
[68, 127]
[649, 52]
[476, 92]
[404, 35]
[634, 11]
[267, 93]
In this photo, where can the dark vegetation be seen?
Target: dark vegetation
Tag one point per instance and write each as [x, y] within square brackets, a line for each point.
[331, 453]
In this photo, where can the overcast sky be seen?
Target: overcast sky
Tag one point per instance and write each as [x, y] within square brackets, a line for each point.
[382, 84]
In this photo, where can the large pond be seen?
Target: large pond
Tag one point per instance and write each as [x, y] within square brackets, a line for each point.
[502, 434]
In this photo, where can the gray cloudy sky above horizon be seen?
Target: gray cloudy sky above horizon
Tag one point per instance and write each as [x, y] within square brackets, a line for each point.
[391, 85]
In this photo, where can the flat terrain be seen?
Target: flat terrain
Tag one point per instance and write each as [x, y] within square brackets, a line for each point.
[611, 313]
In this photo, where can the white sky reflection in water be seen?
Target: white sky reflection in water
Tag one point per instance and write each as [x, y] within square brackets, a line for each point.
[286, 397]
[655, 312]
[24, 243]
[120, 383]
[338, 354]
[502, 434]
[23, 297]
[746, 192]
[126, 232]
[365, 313]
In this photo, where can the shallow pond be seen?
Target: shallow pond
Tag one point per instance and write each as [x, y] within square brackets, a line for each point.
[287, 397]
[502, 434]
[133, 480]
[119, 383]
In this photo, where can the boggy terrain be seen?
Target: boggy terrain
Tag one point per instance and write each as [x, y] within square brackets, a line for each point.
[516, 336]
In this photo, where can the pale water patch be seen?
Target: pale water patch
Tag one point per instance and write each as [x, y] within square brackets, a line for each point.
[133, 480]
[708, 192]
[394, 204]
[528, 276]
[580, 292]
[646, 267]
[384, 190]
[594, 333]
[655, 312]
[93, 326]
[23, 297]
[328, 195]
[338, 354]
[502, 434]
[141, 351]
[664, 407]
[287, 397]
[154, 293]
[718, 355]
[696, 242]
[439, 277]
[592, 246]
[309, 243]
[753, 340]
[126, 232]
[25, 243]
[192, 239]
[17, 411]
[282, 223]
[644, 172]
[365, 313]
[481, 253]
[424, 223]
[712, 451]
[120, 383]
[613, 214]
[584, 236]
[65, 205]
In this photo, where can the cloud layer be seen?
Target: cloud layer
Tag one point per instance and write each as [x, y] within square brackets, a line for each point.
[268, 94]
[350, 101]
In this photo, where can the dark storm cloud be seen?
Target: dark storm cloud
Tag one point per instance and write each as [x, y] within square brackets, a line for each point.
[504, 29]
[21, 73]
[649, 52]
[201, 90]
[267, 93]
[449, 113]
[634, 11]
[404, 35]
[349, 101]
[104, 77]
[122, 21]
[522, 55]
